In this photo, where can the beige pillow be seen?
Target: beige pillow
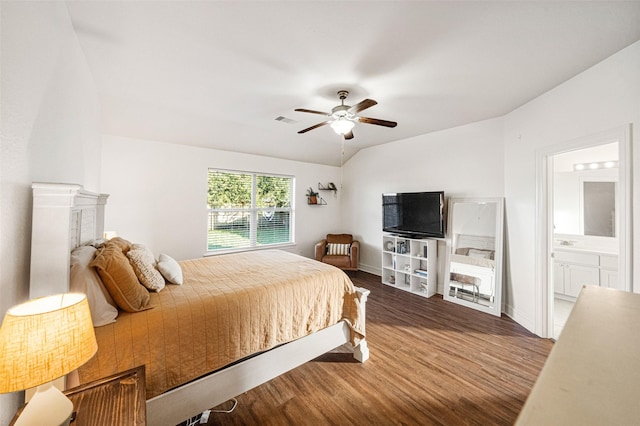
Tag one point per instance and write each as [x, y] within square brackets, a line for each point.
[84, 279]
[334, 249]
[463, 251]
[120, 279]
[138, 246]
[144, 265]
[480, 254]
[170, 269]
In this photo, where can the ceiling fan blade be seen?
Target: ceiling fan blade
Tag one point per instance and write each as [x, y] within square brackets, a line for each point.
[314, 127]
[349, 135]
[361, 106]
[377, 121]
[312, 111]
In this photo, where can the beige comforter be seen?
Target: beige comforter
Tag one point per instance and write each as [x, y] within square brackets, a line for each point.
[229, 307]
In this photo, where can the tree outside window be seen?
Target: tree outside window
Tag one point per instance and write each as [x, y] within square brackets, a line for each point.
[248, 210]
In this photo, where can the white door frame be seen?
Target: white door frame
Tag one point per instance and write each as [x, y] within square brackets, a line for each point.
[544, 218]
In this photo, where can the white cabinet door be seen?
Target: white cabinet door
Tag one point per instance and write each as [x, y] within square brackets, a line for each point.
[608, 278]
[578, 276]
[558, 277]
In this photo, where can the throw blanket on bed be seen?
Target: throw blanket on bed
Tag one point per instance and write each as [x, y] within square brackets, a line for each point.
[229, 307]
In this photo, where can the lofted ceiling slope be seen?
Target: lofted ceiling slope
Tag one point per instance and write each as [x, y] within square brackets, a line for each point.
[218, 73]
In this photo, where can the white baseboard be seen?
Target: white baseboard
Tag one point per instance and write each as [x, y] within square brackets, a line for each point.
[523, 320]
[370, 269]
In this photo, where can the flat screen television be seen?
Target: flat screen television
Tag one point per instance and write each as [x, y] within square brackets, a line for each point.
[419, 214]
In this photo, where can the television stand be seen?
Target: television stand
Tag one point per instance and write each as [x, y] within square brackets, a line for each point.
[410, 264]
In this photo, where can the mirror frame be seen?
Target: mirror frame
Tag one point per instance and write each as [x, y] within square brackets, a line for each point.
[496, 309]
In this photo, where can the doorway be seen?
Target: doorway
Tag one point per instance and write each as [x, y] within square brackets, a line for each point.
[585, 218]
[577, 243]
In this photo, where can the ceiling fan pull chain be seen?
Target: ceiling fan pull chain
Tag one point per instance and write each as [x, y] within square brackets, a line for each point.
[342, 162]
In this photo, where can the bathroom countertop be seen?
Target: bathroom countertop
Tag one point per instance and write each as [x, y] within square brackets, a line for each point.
[583, 249]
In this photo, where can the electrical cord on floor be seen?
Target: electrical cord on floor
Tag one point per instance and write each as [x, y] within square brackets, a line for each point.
[193, 421]
[230, 410]
[203, 417]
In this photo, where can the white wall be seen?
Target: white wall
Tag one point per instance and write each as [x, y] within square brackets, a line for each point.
[602, 98]
[50, 132]
[497, 158]
[159, 194]
[464, 162]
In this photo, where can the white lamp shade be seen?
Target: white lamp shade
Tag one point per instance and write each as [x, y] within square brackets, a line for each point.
[44, 339]
[342, 126]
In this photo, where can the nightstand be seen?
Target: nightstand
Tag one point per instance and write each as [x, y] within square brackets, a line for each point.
[115, 400]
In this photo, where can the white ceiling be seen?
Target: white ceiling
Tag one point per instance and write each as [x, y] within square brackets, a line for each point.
[217, 73]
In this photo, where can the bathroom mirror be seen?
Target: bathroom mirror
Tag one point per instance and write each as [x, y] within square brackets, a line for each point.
[473, 271]
[599, 208]
[585, 193]
[585, 204]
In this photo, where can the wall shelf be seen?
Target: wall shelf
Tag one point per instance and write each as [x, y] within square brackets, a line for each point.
[319, 201]
[330, 187]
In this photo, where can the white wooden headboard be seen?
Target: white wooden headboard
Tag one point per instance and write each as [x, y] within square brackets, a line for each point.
[65, 216]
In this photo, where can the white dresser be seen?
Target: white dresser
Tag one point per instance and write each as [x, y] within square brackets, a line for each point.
[592, 375]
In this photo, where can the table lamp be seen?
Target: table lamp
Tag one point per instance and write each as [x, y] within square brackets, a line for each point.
[40, 341]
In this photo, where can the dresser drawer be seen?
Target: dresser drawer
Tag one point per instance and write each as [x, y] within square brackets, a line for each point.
[574, 257]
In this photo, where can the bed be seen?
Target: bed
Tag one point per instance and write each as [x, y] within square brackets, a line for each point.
[472, 268]
[235, 322]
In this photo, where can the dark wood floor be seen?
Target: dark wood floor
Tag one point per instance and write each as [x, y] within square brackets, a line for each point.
[432, 362]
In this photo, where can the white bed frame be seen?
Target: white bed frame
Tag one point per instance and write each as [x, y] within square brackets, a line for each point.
[485, 275]
[66, 216]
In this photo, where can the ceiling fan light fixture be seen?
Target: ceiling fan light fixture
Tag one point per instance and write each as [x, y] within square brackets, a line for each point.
[342, 118]
[342, 126]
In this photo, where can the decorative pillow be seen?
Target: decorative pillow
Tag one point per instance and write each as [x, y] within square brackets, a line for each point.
[170, 269]
[463, 251]
[84, 279]
[144, 265]
[120, 279]
[338, 249]
[124, 245]
[481, 254]
[137, 246]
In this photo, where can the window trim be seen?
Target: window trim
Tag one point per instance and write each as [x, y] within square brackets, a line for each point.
[253, 211]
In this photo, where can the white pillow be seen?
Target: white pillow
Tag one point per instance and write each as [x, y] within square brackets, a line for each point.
[170, 269]
[144, 265]
[338, 249]
[85, 279]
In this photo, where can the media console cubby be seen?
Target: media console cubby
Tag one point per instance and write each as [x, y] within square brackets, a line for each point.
[410, 264]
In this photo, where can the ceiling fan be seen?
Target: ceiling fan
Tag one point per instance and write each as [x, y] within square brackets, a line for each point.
[343, 117]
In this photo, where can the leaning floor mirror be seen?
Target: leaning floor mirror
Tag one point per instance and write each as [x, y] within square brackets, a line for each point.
[473, 271]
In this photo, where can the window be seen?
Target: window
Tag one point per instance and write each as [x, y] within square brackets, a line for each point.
[249, 210]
